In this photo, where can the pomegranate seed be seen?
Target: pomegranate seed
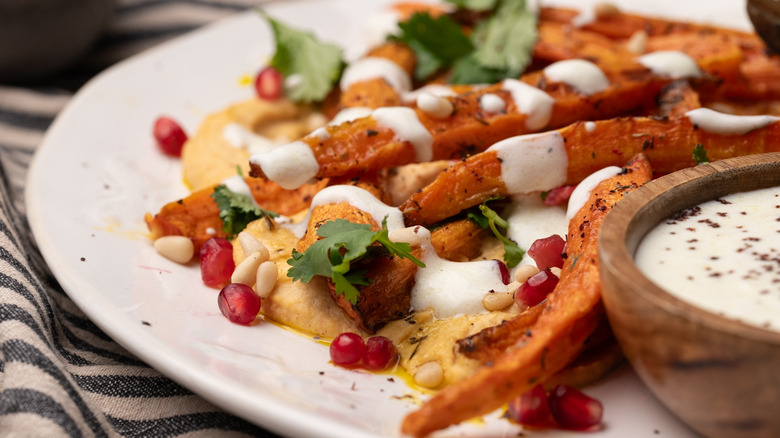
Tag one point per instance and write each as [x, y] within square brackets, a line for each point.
[536, 288]
[505, 277]
[169, 135]
[216, 262]
[380, 353]
[239, 303]
[572, 409]
[532, 409]
[268, 84]
[559, 195]
[547, 252]
[347, 349]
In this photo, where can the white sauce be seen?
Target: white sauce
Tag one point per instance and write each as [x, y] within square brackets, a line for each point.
[372, 67]
[434, 89]
[582, 192]
[590, 126]
[583, 76]
[724, 258]
[584, 18]
[350, 115]
[358, 198]
[532, 162]
[727, 124]
[529, 219]
[530, 101]
[291, 165]
[453, 288]
[404, 123]
[435, 106]
[491, 103]
[321, 133]
[671, 63]
[242, 138]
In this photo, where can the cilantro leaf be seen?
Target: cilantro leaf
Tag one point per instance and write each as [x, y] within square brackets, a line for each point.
[437, 42]
[700, 155]
[488, 218]
[505, 41]
[236, 210]
[342, 243]
[316, 65]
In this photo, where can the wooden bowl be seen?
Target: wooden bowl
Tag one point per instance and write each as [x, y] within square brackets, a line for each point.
[718, 375]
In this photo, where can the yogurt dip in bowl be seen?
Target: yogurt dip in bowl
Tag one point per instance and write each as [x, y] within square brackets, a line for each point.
[691, 286]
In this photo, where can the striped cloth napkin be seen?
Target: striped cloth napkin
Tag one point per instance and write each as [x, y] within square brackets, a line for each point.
[59, 374]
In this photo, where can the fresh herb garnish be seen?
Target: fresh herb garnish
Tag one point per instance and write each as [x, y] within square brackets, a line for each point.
[488, 218]
[237, 210]
[342, 243]
[700, 155]
[437, 42]
[499, 47]
[315, 66]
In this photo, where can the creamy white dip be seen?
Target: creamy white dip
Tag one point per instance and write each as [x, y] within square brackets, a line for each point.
[722, 255]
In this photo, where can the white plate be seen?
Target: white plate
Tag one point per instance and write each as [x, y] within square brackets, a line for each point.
[96, 174]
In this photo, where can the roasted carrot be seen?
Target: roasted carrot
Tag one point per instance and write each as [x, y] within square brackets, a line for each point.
[197, 215]
[590, 146]
[569, 315]
[364, 146]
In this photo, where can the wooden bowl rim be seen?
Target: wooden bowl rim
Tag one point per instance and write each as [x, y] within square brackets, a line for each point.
[634, 216]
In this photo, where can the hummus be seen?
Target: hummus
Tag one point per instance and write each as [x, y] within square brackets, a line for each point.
[226, 139]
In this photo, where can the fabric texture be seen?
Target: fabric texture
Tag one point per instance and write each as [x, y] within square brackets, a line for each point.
[60, 375]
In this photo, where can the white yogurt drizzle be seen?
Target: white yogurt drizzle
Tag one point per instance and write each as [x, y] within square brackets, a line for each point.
[434, 106]
[452, 288]
[434, 89]
[242, 138]
[583, 76]
[582, 192]
[727, 124]
[406, 126]
[532, 162]
[491, 103]
[291, 165]
[350, 115]
[590, 126]
[359, 198]
[372, 67]
[533, 102]
[671, 63]
[529, 219]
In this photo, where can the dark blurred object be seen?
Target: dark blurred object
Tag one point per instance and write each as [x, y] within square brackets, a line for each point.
[41, 37]
[765, 15]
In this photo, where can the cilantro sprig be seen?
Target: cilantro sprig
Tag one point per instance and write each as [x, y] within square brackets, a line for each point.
[237, 210]
[700, 154]
[315, 65]
[343, 242]
[499, 47]
[489, 218]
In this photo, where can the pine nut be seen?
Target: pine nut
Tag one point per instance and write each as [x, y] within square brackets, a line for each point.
[246, 271]
[637, 44]
[250, 244]
[266, 276]
[604, 10]
[176, 248]
[497, 300]
[556, 271]
[429, 375]
[524, 272]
